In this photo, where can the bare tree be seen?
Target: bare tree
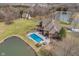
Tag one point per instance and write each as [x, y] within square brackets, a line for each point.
[8, 14]
[67, 47]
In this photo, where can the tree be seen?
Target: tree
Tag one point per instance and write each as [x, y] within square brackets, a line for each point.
[44, 52]
[38, 10]
[40, 24]
[1, 16]
[47, 34]
[21, 12]
[8, 14]
[8, 21]
[62, 33]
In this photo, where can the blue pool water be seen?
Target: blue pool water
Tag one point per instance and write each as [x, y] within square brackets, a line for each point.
[36, 38]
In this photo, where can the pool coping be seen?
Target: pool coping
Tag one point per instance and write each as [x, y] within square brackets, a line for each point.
[28, 35]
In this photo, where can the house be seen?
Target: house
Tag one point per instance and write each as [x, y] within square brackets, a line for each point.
[48, 28]
[75, 21]
[26, 15]
[63, 14]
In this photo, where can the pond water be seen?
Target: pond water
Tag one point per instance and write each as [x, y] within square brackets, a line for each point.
[14, 46]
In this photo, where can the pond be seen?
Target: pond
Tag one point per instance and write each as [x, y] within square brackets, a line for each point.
[14, 46]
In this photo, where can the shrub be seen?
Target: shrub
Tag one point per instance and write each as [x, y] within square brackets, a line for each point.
[45, 52]
[62, 33]
[38, 45]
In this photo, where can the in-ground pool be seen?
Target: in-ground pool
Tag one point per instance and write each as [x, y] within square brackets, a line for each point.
[36, 37]
[14, 46]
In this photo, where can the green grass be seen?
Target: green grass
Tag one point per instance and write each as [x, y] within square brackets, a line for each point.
[64, 22]
[20, 27]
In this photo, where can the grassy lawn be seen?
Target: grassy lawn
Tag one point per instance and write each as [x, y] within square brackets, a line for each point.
[20, 27]
[71, 35]
[64, 22]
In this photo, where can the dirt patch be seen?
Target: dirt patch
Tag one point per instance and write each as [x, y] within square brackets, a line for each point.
[1, 31]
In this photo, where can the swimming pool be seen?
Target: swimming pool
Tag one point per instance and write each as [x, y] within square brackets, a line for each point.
[36, 37]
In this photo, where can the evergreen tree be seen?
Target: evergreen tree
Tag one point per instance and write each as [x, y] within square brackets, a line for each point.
[62, 33]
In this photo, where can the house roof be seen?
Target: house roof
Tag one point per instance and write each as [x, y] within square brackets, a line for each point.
[49, 25]
[77, 15]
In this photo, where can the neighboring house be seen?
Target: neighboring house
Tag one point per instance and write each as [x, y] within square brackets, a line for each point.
[26, 15]
[75, 21]
[63, 16]
[76, 17]
[62, 13]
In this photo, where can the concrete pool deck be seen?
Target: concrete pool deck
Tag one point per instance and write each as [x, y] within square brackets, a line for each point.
[44, 39]
[28, 35]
